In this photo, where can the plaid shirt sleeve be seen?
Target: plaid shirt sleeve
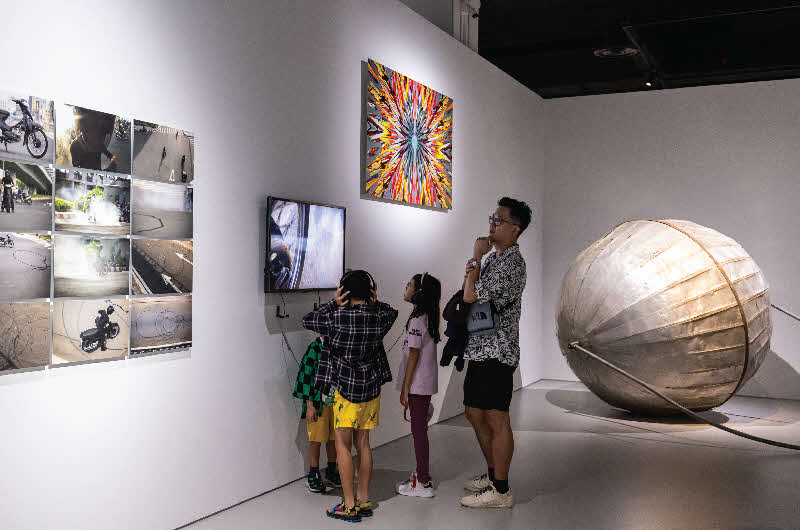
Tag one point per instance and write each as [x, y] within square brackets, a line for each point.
[319, 320]
[386, 317]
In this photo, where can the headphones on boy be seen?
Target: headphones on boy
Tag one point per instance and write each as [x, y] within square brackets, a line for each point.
[416, 298]
[349, 273]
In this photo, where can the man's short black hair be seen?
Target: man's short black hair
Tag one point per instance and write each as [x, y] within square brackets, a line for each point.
[359, 283]
[520, 212]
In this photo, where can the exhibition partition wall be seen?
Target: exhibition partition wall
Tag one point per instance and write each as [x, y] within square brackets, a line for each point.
[274, 93]
[722, 156]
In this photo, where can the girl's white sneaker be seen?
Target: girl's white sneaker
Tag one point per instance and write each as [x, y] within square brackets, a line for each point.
[414, 488]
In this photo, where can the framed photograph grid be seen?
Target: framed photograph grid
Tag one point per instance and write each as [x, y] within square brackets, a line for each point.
[96, 235]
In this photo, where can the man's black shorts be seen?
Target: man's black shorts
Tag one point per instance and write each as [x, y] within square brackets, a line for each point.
[488, 385]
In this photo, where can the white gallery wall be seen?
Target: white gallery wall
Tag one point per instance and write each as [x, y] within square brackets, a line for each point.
[726, 157]
[272, 91]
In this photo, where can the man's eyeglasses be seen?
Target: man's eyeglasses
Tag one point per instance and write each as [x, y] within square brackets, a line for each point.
[496, 220]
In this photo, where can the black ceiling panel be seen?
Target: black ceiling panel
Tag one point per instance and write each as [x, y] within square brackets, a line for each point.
[550, 45]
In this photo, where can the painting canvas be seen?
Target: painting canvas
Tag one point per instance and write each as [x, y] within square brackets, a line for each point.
[409, 133]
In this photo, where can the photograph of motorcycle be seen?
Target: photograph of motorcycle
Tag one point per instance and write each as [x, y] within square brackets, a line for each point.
[89, 330]
[91, 139]
[92, 202]
[27, 194]
[103, 329]
[86, 266]
[27, 127]
[24, 266]
[162, 153]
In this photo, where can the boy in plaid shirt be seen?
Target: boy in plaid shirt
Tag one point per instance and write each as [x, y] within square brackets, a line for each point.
[318, 414]
[353, 363]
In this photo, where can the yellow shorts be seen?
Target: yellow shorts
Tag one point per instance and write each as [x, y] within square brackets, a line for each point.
[359, 416]
[322, 430]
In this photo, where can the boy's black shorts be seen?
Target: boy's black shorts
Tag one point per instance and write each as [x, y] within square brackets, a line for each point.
[488, 385]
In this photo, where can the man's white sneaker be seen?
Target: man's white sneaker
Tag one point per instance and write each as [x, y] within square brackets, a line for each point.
[478, 483]
[489, 498]
[414, 488]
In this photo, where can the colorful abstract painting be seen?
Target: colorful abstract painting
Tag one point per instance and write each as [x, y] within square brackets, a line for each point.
[409, 150]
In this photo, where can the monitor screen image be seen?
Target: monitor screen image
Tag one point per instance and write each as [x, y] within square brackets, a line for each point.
[305, 246]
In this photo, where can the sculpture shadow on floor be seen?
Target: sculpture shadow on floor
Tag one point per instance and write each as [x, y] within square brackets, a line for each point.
[775, 379]
[588, 404]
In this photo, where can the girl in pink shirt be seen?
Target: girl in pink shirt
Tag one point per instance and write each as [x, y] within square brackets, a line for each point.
[417, 378]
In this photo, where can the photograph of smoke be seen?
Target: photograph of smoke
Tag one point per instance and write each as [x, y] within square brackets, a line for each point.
[86, 266]
[161, 210]
[92, 202]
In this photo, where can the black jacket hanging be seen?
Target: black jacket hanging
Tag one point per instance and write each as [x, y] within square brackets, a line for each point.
[455, 313]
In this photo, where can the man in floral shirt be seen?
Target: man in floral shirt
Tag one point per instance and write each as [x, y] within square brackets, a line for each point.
[494, 357]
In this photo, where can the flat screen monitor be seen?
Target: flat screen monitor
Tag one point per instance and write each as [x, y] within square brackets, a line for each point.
[305, 246]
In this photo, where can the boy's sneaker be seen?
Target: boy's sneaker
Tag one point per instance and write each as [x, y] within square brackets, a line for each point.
[478, 483]
[333, 479]
[364, 508]
[489, 497]
[351, 515]
[414, 488]
[314, 483]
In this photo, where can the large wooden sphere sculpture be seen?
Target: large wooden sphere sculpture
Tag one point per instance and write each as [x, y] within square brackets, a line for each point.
[680, 306]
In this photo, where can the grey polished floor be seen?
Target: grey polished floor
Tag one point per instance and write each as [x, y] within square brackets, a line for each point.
[580, 464]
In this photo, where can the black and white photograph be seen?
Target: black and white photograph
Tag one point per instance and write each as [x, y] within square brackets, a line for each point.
[24, 335]
[91, 139]
[24, 266]
[92, 202]
[161, 210]
[161, 266]
[85, 266]
[27, 128]
[161, 324]
[162, 153]
[90, 330]
[27, 197]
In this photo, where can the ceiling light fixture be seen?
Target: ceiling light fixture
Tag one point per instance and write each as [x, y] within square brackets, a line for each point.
[615, 51]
